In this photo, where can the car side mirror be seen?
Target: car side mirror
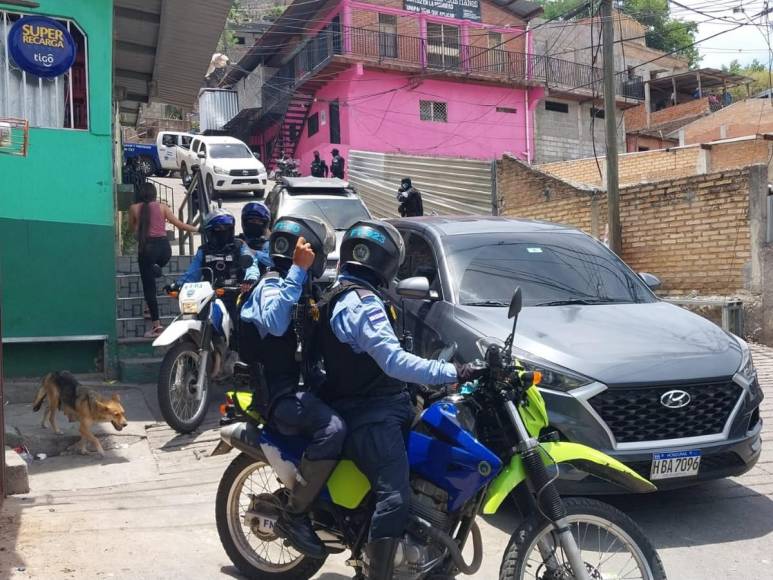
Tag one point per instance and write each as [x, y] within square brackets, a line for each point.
[416, 288]
[515, 304]
[652, 281]
[201, 155]
[245, 261]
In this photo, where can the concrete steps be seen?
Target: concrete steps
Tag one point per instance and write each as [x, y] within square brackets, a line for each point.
[138, 361]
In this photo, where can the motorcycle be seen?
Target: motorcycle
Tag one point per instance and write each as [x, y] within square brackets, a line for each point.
[199, 339]
[285, 168]
[468, 452]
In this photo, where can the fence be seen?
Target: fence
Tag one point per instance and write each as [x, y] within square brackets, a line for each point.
[449, 186]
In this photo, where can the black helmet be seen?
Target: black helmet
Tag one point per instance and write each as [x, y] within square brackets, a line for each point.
[376, 246]
[219, 229]
[285, 236]
[255, 218]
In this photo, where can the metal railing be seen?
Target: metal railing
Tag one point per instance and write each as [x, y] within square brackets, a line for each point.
[193, 209]
[436, 55]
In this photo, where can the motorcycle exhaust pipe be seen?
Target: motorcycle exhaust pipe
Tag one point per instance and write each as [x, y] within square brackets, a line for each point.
[245, 437]
[453, 549]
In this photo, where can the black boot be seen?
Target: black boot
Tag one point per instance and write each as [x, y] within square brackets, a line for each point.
[381, 558]
[294, 524]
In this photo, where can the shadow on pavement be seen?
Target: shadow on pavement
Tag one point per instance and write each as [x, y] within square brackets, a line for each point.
[712, 513]
[11, 559]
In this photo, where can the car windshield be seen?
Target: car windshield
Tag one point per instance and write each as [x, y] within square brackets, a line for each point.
[551, 269]
[229, 151]
[341, 214]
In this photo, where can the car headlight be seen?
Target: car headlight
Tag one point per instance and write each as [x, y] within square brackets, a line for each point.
[220, 170]
[554, 377]
[189, 307]
[747, 370]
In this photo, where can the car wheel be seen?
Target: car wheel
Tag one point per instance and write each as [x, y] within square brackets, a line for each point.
[184, 175]
[213, 193]
[259, 193]
[145, 166]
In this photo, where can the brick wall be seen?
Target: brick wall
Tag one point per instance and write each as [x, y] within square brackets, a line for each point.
[748, 117]
[692, 232]
[661, 164]
[636, 118]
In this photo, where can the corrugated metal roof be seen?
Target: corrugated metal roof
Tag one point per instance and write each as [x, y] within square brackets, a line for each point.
[163, 48]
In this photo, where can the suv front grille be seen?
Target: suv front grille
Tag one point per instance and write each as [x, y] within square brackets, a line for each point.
[635, 414]
[243, 172]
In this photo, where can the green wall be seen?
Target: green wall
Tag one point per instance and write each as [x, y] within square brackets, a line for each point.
[57, 260]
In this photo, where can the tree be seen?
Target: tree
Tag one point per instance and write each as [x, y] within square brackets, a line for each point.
[663, 32]
[756, 66]
[734, 68]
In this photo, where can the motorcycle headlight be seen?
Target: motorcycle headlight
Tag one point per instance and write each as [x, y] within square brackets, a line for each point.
[220, 170]
[747, 370]
[189, 307]
[554, 377]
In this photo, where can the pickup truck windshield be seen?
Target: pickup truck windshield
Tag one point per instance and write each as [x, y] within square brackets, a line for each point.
[229, 151]
[551, 269]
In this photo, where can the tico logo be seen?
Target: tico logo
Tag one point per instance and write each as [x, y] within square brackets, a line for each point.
[41, 46]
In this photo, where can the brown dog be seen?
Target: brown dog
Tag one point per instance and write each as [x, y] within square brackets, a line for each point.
[62, 391]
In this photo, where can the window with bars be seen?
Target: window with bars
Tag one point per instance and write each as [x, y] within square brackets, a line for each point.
[57, 103]
[433, 111]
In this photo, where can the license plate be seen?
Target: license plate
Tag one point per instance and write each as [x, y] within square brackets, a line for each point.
[675, 464]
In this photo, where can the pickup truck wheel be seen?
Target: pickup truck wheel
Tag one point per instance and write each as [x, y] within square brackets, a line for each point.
[145, 166]
[211, 188]
[162, 173]
[184, 175]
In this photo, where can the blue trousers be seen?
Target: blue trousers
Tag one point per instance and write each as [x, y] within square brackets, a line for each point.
[303, 414]
[378, 433]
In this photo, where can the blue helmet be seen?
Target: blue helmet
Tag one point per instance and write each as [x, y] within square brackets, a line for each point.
[255, 219]
[219, 229]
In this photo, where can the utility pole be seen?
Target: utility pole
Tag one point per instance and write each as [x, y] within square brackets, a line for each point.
[613, 194]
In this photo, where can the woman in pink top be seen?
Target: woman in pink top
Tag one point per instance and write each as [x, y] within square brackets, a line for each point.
[148, 219]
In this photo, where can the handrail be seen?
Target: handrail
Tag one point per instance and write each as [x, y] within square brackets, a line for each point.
[383, 47]
[195, 215]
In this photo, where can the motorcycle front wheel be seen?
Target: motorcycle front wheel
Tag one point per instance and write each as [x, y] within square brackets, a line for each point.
[611, 546]
[258, 554]
[176, 388]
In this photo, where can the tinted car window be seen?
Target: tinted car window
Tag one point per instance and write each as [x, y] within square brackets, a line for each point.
[419, 259]
[169, 140]
[229, 151]
[341, 214]
[549, 268]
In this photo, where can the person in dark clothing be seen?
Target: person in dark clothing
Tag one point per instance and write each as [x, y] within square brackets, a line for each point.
[318, 167]
[337, 165]
[274, 310]
[366, 375]
[147, 219]
[411, 204]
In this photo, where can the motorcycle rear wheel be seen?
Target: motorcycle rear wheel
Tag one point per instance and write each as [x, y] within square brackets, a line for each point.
[256, 558]
[593, 523]
[178, 375]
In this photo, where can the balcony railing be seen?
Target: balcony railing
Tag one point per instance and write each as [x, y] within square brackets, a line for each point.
[446, 57]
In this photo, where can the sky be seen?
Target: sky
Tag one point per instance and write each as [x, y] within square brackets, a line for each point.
[745, 43]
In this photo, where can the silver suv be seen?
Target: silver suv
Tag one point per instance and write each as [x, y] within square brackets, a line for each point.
[663, 390]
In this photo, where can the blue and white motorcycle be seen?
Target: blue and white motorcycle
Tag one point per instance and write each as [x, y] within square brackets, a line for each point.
[468, 452]
[199, 340]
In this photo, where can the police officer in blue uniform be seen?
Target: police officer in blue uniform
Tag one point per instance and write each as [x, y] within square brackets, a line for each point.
[255, 219]
[282, 310]
[367, 371]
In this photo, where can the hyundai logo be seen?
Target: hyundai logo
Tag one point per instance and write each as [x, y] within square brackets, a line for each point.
[675, 399]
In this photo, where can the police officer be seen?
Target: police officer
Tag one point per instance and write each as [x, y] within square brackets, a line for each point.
[255, 219]
[337, 165]
[367, 371]
[219, 256]
[409, 197]
[299, 247]
[318, 166]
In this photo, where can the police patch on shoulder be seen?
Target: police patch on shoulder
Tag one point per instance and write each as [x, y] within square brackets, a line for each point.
[377, 316]
[271, 291]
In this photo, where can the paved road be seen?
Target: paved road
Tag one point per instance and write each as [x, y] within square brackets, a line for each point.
[147, 512]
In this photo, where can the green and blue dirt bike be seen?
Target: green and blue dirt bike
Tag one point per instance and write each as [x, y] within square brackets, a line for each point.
[468, 452]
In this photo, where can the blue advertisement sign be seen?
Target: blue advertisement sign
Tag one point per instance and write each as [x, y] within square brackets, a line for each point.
[41, 46]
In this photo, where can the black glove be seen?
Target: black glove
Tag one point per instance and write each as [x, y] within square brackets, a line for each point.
[470, 371]
[169, 288]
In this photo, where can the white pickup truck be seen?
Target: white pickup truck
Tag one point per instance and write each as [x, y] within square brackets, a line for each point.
[226, 164]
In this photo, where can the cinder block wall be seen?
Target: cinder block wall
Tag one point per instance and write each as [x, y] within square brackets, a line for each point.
[693, 232]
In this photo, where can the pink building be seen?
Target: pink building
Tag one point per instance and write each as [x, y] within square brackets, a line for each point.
[419, 77]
